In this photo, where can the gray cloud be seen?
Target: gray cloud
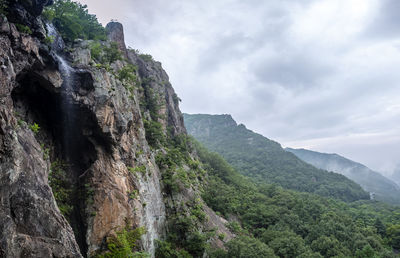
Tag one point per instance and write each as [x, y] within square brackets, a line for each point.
[318, 74]
[386, 22]
[292, 70]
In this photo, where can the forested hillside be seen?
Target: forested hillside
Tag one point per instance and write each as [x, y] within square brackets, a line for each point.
[273, 222]
[380, 187]
[264, 160]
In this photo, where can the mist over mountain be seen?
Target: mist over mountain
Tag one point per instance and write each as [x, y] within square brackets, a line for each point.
[395, 176]
[381, 187]
[265, 160]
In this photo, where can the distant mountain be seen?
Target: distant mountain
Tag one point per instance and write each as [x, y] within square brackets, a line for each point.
[396, 175]
[383, 188]
[264, 160]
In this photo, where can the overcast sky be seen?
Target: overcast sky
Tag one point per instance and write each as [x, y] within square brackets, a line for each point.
[323, 75]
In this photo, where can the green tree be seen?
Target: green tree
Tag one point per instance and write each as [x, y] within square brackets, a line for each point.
[247, 247]
[123, 243]
[380, 227]
[366, 252]
[285, 243]
[167, 250]
[112, 53]
[73, 21]
[393, 235]
[328, 247]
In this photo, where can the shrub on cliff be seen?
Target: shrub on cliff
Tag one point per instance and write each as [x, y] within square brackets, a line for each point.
[3, 7]
[105, 54]
[111, 53]
[73, 21]
[127, 74]
[124, 243]
[61, 187]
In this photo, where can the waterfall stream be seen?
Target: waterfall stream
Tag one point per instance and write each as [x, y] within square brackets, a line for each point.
[72, 142]
[153, 211]
[67, 73]
[57, 43]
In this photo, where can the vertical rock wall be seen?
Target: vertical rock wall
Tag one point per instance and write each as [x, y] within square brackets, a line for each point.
[114, 178]
[31, 224]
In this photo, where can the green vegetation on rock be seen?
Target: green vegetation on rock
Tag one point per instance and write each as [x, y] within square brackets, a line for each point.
[34, 127]
[106, 53]
[23, 28]
[124, 243]
[61, 187]
[146, 57]
[127, 75]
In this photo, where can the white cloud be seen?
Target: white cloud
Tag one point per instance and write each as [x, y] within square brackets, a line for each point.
[319, 74]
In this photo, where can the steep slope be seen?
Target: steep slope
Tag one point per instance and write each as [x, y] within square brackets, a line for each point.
[86, 139]
[265, 161]
[31, 225]
[379, 186]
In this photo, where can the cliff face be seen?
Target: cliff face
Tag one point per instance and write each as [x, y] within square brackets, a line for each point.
[78, 146]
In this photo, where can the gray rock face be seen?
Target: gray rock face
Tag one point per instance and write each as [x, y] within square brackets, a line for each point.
[93, 122]
[27, 12]
[158, 81]
[31, 224]
[115, 33]
[104, 138]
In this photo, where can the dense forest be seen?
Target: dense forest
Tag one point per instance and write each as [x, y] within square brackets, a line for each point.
[261, 159]
[270, 220]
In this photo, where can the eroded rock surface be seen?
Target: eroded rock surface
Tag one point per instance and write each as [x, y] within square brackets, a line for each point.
[86, 116]
[31, 224]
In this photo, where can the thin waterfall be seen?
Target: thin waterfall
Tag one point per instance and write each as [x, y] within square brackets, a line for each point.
[67, 73]
[72, 142]
[57, 43]
[153, 211]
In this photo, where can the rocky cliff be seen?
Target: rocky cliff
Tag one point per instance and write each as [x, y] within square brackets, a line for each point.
[83, 148]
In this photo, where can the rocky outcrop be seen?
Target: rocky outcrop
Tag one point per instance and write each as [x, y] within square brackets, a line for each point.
[117, 114]
[31, 224]
[82, 130]
[27, 13]
[115, 33]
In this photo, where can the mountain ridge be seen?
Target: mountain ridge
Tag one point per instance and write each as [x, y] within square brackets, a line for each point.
[263, 159]
[381, 187]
